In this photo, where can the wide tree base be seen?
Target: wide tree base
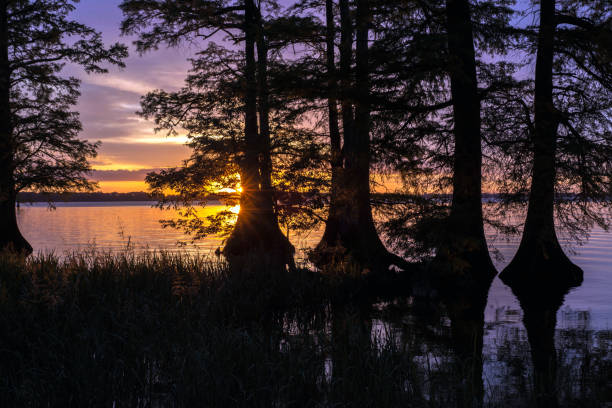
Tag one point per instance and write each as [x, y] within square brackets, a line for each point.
[254, 246]
[10, 236]
[451, 267]
[538, 262]
[356, 257]
[17, 245]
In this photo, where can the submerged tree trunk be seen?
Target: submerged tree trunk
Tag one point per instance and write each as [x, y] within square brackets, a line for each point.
[464, 248]
[256, 233]
[351, 239]
[10, 236]
[539, 251]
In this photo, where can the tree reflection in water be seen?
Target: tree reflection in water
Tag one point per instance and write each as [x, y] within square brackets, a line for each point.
[541, 300]
[466, 306]
[451, 356]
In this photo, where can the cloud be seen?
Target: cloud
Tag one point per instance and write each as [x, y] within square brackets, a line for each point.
[109, 115]
[108, 103]
[120, 83]
[121, 175]
[135, 156]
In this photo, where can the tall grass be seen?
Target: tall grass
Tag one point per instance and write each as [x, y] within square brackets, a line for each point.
[170, 330]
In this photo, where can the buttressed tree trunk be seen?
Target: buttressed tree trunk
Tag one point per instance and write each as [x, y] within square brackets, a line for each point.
[352, 237]
[10, 236]
[464, 248]
[256, 233]
[539, 251]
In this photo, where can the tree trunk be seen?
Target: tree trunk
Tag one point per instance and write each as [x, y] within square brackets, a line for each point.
[464, 248]
[257, 233]
[355, 240]
[10, 236]
[280, 244]
[331, 225]
[539, 251]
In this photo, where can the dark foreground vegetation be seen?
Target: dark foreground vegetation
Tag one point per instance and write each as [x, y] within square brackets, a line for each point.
[167, 330]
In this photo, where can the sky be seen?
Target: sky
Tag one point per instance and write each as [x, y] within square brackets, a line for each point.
[108, 105]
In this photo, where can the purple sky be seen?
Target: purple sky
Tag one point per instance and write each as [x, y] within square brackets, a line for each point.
[109, 102]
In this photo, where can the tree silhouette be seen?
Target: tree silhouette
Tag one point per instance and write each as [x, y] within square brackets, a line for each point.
[572, 145]
[465, 241]
[440, 53]
[39, 147]
[350, 236]
[230, 107]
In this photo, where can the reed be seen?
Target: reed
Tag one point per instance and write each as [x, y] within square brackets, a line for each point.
[160, 329]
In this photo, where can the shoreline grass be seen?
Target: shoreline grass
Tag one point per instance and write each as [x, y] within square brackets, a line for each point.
[169, 330]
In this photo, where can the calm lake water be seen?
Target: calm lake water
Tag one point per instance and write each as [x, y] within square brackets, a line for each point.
[583, 323]
[115, 225]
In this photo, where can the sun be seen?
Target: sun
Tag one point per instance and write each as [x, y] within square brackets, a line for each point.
[238, 189]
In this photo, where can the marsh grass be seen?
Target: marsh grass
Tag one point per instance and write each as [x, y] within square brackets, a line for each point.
[160, 329]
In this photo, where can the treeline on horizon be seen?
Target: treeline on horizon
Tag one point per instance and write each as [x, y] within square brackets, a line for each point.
[316, 97]
[96, 196]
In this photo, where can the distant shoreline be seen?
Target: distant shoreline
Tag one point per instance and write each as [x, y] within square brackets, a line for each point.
[26, 197]
[141, 196]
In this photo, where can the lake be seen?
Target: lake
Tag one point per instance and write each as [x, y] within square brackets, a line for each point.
[111, 226]
[116, 226]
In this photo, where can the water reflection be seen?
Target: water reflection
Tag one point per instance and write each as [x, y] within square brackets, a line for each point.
[443, 352]
[351, 328]
[540, 300]
[440, 339]
[466, 306]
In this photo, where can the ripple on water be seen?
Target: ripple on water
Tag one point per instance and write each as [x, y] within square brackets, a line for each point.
[112, 226]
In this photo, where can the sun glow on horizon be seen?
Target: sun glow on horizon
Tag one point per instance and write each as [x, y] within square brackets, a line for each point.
[124, 186]
[118, 166]
[230, 190]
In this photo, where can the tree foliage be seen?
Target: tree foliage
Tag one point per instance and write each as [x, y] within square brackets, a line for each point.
[39, 145]
[272, 162]
[307, 96]
[42, 38]
[581, 78]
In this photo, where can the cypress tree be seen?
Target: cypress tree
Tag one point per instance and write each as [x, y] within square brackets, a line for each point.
[39, 145]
